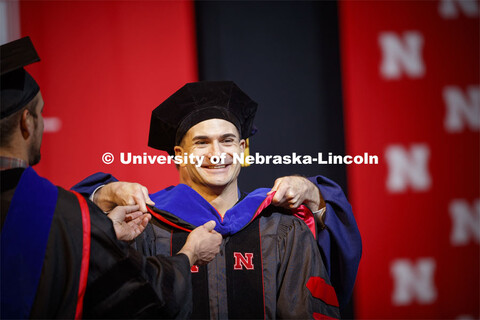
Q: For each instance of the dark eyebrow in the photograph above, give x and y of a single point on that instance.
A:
(228, 135)
(223, 136)
(200, 138)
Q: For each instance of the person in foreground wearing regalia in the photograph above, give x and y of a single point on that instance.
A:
(60, 254)
(270, 263)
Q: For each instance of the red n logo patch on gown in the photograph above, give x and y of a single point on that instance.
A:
(243, 261)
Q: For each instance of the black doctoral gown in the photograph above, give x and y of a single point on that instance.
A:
(121, 283)
(269, 265)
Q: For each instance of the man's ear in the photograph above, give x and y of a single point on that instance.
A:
(179, 152)
(27, 124)
(242, 144)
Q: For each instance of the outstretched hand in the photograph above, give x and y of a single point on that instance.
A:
(122, 194)
(292, 191)
(128, 222)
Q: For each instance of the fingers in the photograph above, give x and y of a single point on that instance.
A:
(130, 209)
(294, 203)
(129, 230)
(210, 225)
(140, 223)
(147, 197)
(146, 219)
(126, 193)
(141, 197)
(208, 248)
(134, 215)
(140, 200)
(119, 213)
(290, 192)
(203, 244)
(279, 197)
(138, 218)
(275, 186)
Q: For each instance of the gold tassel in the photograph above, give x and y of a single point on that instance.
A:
(246, 152)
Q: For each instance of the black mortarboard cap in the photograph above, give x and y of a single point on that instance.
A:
(196, 102)
(17, 87)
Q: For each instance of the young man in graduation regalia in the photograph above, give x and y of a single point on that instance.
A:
(270, 264)
(60, 257)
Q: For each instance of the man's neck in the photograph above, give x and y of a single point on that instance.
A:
(9, 159)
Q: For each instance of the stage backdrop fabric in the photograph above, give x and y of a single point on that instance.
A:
(104, 67)
(411, 92)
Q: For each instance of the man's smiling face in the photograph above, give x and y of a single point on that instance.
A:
(208, 138)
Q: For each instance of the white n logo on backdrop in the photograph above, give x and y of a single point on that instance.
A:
(408, 168)
(466, 222)
(449, 9)
(413, 281)
(401, 54)
(461, 108)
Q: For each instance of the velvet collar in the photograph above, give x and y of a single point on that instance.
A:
(188, 205)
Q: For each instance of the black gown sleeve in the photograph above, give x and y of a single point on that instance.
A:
(304, 290)
(121, 283)
(340, 242)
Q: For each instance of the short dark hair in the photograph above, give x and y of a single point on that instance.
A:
(8, 124)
